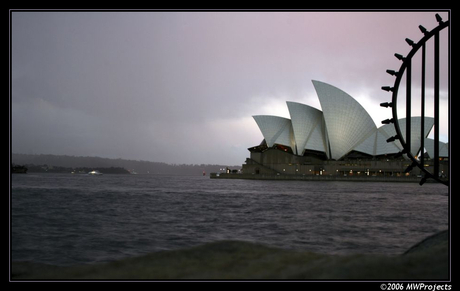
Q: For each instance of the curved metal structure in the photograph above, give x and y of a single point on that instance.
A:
(406, 69)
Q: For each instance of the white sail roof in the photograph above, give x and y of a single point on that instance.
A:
(443, 148)
(276, 130)
(348, 123)
(343, 126)
(415, 126)
(308, 126)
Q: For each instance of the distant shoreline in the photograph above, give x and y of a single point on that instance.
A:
(67, 170)
(93, 163)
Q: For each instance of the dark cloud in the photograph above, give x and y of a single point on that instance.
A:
(182, 87)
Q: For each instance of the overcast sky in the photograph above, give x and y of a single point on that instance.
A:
(181, 87)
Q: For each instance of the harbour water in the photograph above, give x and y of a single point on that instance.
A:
(66, 219)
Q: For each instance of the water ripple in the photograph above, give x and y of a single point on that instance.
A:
(67, 219)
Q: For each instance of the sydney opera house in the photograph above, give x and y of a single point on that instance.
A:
(341, 140)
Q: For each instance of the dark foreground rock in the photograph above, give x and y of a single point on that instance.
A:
(243, 260)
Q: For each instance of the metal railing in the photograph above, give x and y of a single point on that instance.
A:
(406, 68)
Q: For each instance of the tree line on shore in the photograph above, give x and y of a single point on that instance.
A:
(68, 164)
(31, 168)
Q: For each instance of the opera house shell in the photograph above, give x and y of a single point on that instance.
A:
(342, 127)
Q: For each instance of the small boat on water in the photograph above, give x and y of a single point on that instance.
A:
(95, 173)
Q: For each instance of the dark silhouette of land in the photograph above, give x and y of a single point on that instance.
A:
(67, 164)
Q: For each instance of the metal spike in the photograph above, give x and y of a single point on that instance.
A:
(423, 29)
(438, 18)
(422, 181)
(393, 73)
(393, 138)
(387, 121)
(387, 88)
(399, 57)
(410, 41)
(386, 104)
